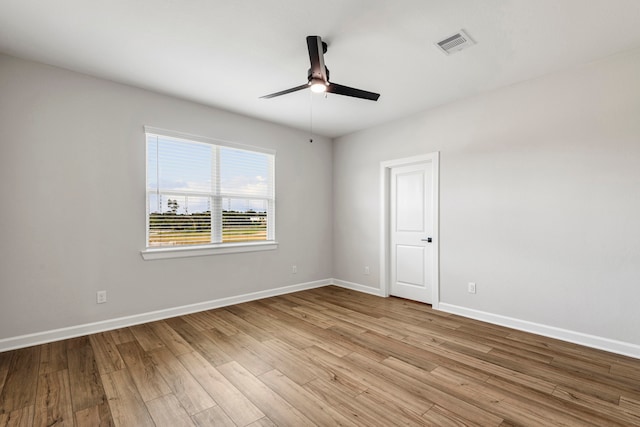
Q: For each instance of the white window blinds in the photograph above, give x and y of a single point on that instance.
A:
(201, 192)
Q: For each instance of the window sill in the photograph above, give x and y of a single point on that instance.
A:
(204, 250)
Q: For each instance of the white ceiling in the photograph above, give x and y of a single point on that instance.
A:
(229, 53)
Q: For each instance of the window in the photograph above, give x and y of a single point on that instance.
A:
(204, 194)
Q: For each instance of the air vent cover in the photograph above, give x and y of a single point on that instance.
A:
(455, 43)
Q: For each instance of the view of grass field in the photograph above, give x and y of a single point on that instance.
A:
(171, 229)
(176, 238)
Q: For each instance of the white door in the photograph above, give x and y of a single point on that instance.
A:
(412, 231)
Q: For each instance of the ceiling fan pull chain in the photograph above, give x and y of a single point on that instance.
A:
(310, 117)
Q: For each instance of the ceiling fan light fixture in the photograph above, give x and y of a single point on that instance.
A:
(318, 86)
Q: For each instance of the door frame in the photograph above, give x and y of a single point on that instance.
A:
(385, 226)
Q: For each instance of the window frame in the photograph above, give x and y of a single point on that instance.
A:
(152, 253)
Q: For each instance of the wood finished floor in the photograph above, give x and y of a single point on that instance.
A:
(322, 357)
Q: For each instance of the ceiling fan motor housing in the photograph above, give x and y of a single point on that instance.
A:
(310, 75)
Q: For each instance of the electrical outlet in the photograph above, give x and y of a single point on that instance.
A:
(366, 270)
(472, 287)
(101, 297)
(294, 269)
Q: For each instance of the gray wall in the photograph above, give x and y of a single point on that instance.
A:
(539, 198)
(72, 186)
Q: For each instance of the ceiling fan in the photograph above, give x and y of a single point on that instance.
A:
(318, 76)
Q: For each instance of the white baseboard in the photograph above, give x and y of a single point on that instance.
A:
(136, 319)
(358, 287)
(606, 344)
(593, 341)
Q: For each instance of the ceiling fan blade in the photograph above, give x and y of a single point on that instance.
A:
(284, 92)
(349, 91)
(316, 56)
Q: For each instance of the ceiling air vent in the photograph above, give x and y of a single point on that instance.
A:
(456, 42)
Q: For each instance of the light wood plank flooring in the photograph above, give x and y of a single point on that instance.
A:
(323, 357)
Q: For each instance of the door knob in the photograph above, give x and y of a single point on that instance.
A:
(428, 240)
